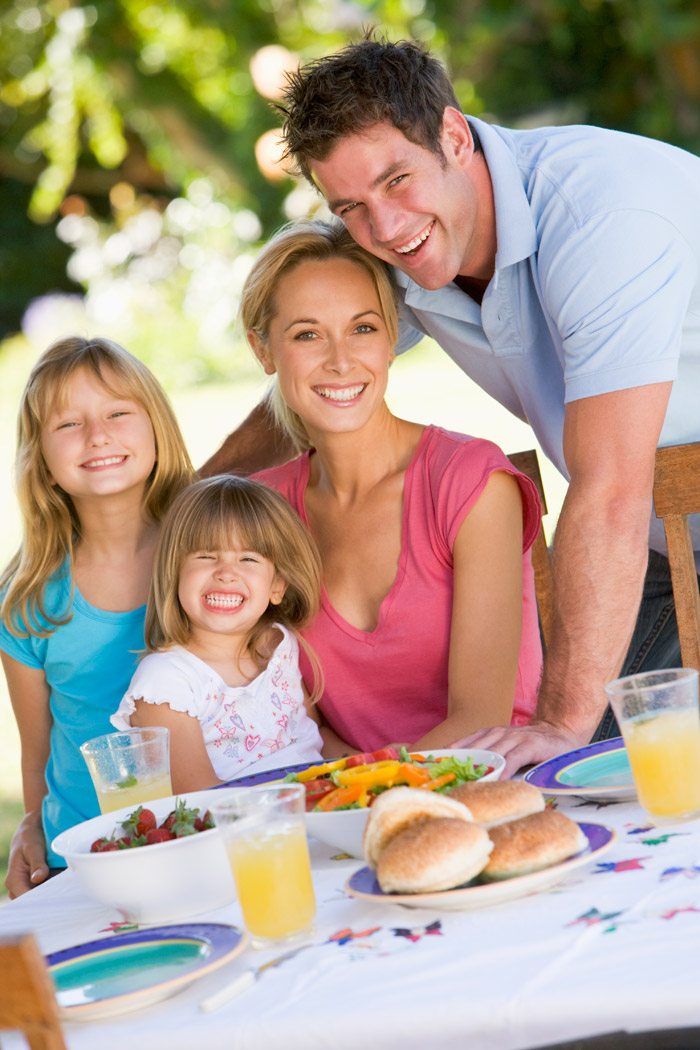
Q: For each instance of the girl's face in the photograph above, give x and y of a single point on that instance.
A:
(97, 443)
(225, 592)
(329, 344)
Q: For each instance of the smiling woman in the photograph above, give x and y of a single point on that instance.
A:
(428, 625)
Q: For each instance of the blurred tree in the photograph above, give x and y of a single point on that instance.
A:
(139, 134)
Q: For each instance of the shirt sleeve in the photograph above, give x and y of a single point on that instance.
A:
(465, 476)
(618, 287)
(30, 651)
(159, 679)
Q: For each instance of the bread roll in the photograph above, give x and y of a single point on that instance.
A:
(494, 802)
(532, 843)
(432, 855)
(395, 809)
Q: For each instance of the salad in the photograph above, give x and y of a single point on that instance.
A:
(355, 781)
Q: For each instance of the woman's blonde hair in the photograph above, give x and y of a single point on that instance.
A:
(51, 527)
(212, 515)
(307, 240)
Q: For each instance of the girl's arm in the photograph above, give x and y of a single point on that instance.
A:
(190, 765)
(29, 695)
(486, 615)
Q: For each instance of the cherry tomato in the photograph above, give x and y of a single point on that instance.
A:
(385, 754)
(360, 760)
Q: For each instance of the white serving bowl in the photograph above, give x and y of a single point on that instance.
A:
(165, 882)
(344, 830)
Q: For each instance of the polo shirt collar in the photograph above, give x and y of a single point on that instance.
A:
(515, 229)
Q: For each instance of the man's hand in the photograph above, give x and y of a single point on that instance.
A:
(525, 745)
(27, 867)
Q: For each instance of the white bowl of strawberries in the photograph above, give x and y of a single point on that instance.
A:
(162, 862)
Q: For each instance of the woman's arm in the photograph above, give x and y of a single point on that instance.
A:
(29, 695)
(333, 745)
(486, 614)
(190, 765)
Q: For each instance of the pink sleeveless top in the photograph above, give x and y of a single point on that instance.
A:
(391, 683)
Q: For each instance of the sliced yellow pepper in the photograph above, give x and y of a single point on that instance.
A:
(319, 771)
(371, 775)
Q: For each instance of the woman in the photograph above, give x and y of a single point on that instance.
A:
(428, 627)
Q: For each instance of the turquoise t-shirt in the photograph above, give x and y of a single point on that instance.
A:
(88, 664)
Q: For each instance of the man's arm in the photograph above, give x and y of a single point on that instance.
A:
(258, 443)
(599, 561)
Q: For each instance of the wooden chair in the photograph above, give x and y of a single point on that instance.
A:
(676, 495)
(528, 463)
(27, 995)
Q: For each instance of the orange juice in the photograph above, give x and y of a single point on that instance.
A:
(664, 753)
(273, 877)
(134, 792)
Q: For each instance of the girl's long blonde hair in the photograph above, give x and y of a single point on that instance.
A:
(51, 527)
(307, 240)
(212, 515)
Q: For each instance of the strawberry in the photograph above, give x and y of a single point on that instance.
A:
(139, 822)
(181, 821)
(204, 823)
(156, 835)
(108, 847)
(103, 844)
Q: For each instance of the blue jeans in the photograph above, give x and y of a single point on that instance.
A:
(654, 644)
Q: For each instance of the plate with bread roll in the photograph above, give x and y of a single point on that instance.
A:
(598, 771)
(480, 844)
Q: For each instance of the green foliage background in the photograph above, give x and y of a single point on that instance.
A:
(128, 131)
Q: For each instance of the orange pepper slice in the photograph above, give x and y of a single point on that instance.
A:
(414, 775)
(342, 796)
(439, 781)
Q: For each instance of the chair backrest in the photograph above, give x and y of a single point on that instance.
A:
(528, 463)
(676, 495)
(27, 996)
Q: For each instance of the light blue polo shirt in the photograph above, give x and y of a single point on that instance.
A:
(597, 281)
(88, 664)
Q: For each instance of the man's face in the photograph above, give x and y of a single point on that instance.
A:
(431, 218)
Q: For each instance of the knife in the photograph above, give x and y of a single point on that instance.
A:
(243, 981)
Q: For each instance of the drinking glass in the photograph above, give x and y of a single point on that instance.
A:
(130, 767)
(265, 836)
(659, 718)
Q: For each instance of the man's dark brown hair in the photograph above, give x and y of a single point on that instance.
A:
(370, 82)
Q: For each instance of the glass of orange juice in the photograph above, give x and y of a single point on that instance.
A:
(265, 835)
(659, 717)
(130, 767)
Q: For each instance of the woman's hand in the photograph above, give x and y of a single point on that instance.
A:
(27, 867)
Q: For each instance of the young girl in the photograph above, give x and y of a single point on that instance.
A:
(236, 576)
(99, 457)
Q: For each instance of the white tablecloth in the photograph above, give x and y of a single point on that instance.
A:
(614, 946)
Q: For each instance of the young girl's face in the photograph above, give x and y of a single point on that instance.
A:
(329, 344)
(97, 443)
(225, 592)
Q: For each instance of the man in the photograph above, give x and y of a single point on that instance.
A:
(560, 269)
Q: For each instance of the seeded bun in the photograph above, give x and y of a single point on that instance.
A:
(493, 802)
(396, 809)
(532, 843)
(432, 855)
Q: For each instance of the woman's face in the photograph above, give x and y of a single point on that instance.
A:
(329, 345)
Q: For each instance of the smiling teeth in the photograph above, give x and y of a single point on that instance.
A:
(340, 395)
(416, 242)
(224, 601)
(105, 462)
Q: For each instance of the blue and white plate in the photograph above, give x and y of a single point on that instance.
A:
(363, 883)
(129, 970)
(599, 771)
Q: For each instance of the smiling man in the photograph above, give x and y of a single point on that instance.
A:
(560, 269)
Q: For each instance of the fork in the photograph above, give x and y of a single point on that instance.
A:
(244, 980)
